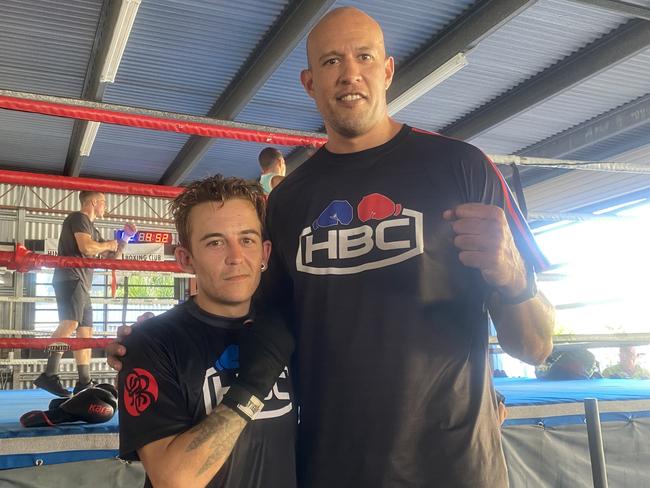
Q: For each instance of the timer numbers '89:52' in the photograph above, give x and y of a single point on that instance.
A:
(155, 237)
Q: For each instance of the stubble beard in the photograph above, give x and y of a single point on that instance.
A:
(353, 125)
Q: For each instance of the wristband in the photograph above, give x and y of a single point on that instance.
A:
(529, 292)
(245, 404)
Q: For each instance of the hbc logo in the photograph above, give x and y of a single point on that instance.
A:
(217, 383)
(391, 234)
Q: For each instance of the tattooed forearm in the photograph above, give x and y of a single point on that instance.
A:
(222, 428)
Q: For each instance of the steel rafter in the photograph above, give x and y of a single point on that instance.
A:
(618, 46)
(285, 35)
(93, 89)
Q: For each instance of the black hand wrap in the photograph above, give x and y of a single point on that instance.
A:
(92, 405)
(264, 351)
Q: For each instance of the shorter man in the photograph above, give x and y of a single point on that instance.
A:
(627, 367)
(79, 238)
(273, 168)
(204, 394)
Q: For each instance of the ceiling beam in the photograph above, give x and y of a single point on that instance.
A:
(631, 116)
(285, 35)
(93, 89)
(463, 34)
(601, 55)
(596, 131)
(620, 7)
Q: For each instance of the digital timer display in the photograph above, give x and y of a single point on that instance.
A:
(154, 237)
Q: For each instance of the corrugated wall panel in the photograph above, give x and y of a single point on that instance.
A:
(49, 227)
(64, 200)
(7, 229)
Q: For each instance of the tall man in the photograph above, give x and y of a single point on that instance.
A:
(79, 238)
(198, 375)
(389, 268)
(273, 168)
(390, 244)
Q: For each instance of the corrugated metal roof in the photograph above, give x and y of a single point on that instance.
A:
(542, 35)
(182, 54)
(587, 100)
(618, 146)
(46, 44)
(637, 155)
(140, 154)
(230, 158)
(32, 142)
(45, 48)
(579, 188)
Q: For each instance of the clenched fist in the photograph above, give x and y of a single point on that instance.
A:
(129, 230)
(486, 243)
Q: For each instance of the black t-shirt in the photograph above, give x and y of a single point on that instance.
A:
(183, 361)
(75, 222)
(391, 363)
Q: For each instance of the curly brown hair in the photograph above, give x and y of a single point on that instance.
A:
(215, 188)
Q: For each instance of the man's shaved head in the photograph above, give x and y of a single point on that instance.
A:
(348, 75)
(342, 18)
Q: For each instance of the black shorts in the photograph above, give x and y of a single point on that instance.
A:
(73, 302)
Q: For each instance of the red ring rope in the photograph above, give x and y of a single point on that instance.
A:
(24, 260)
(54, 343)
(21, 178)
(68, 110)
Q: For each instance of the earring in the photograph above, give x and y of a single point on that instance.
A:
(263, 266)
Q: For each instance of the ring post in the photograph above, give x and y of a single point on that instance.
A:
(596, 449)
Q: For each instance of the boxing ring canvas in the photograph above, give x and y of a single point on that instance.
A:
(545, 435)
(22, 447)
(65, 455)
(545, 438)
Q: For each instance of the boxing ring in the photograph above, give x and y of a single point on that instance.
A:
(545, 439)
(21, 447)
(545, 436)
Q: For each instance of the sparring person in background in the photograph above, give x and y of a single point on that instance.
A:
(273, 168)
(391, 244)
(79, 238)
(204, 392)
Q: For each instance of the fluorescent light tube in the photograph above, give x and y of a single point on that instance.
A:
(120, 36)
(88, 138)
(451, 67)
